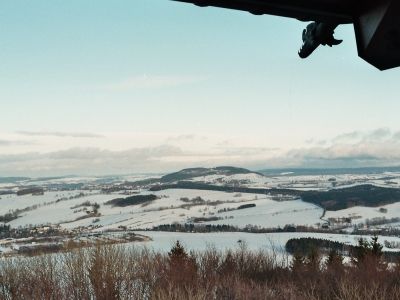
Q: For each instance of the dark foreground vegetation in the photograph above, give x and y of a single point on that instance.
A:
(113, 272)
(304, 246)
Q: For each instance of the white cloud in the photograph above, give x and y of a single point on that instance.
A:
(379, 147)
(88, 161)
(358, 148)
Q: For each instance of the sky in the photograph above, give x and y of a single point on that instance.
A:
(135, 86)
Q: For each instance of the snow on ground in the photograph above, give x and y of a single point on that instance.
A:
(5, 250)
(111, 221)
(207, 195)
(6, 186)
(56, 213)
(137, 177)
(47, 210)
(360, 214)
(250, 179)
(269, 213)
(62, 180)
(163, 241)
(304, 182)
(13, 202)
(169, 209)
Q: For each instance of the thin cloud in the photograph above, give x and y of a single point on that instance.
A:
(135, 154)
(185, 138)
(378, 134)
(246, 151)
(180, 138)
(396, 135)
(15, 143)
(316, 142)
(348, 137)
(60, 134)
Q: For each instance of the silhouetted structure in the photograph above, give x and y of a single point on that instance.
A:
(376, 23)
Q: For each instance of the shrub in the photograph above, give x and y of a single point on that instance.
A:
(114, 272)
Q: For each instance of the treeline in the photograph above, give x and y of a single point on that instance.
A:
(31, 190)
(132, 200)
(200, 228)
(198, 201)
(244, 206)
(6, 192)
(305, 246)
(10, 216)
(388, 231)
(362, 195)
(194, 228)
(4, 231)
(223, 188)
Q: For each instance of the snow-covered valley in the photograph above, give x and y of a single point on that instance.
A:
(240, 200)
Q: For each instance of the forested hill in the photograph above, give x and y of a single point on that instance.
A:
(361, 195)
(187, 174)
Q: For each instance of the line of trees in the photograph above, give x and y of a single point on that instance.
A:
(301, 247)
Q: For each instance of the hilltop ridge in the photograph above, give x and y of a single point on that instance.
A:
(191, 173)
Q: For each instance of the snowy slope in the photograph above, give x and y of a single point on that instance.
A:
(169, 208)
(360, 214)
(269, 214)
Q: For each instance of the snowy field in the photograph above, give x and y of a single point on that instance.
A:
(304, 182)
(163, 241)
(60, 207)
(171, 209)
(269, 213)
(360, 214)
(13, 202)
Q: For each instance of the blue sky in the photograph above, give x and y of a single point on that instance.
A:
(155, 85)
